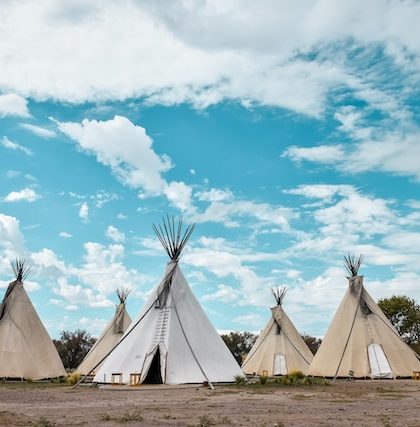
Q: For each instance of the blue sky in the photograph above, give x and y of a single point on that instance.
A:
(289, 132)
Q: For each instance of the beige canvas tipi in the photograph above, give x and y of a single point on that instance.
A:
(109, 337)
(26, 350)
(279, 349)
(172, 341)
(361, 341)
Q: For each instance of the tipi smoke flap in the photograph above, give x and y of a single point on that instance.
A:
(26, 350)
(361, 342)
(279, 349)
(172, 340)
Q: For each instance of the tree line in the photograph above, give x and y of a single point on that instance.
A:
(402, 311)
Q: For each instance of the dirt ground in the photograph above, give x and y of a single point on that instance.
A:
(357, 403)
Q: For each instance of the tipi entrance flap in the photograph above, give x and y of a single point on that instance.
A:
(279, 366)
(154, 366)
(379, 366)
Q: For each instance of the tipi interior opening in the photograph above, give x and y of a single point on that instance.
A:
(154, 375)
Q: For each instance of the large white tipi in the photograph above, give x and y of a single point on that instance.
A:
(279, 349)
(361, 342)
(109, 337)
(26, 350)
(172, 341)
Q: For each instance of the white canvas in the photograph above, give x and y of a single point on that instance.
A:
(358, 323)
(106, 341)
(26, 350)
(191, 350)
(279, 349)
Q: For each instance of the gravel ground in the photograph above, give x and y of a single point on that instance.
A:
(357, 403)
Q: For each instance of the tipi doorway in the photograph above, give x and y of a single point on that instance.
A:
(379, 366)
(154, 375)
(280, 367)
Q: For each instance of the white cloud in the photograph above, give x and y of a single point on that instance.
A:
(322, 191)
(84, 211)
(94, 325)
(249, 321)
(230, 211)
(11, 237)
(124, 147)
(114, 234)
(179, 194)
(223, 293)
(76, 294)
(214, 195)
(268, 53)
(27, 195)
(13, 105)
(39, 131)
(127, 150)
(121, 216)
(65, 235)
(328, 154)
(10, 145)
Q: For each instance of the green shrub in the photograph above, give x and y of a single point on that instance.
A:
(240, 380)
(73, 378)
(44, 422)
(206, 421)
(263, 379)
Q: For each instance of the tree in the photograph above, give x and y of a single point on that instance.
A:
(312, 342)
(404, 314)
(73, 347)
(239, 343)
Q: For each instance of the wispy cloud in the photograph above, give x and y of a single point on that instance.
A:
(10, 145)
(39, 131)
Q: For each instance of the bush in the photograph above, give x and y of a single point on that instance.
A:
(263, 379)
(240, 380)
(297, 374)
(73, 378)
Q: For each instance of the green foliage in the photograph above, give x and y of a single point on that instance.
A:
(126, 417)
(239, 343)
(73, 378)
(263, 379)
(240, 379)
(312, 342)
(43, 422)
(299, 379)
(73, 347)
(206, 421)
(404, 314)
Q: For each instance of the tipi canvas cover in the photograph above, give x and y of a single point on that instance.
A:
(279, 349)
(172, 341)
(109, 337)
(360, 341)
(26, 350)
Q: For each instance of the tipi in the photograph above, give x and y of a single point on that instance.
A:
(361, 342)
(279, 349)
(109, 337)
(172, 341)
(26, 350)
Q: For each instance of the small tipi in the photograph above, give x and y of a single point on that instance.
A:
(26, 350)
(361, 342)
(109, 337)
(279, 349)
(172, 341)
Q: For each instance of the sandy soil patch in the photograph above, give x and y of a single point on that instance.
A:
(362, 403)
